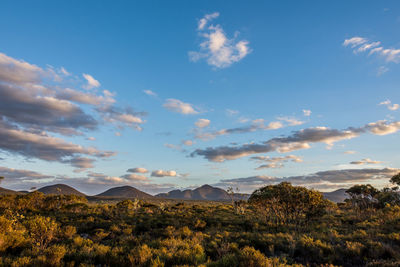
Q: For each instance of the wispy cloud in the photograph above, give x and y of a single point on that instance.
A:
(174, 147)
(149, 92)
(365, 161)
(20, 174)
(331, 179)
(381, 70)
(306, 112)
(389, 105)
(291, 121)
(134, 177)
(207, 18)
(163, 173)
(219, 50)
(91, 82)
(298, 140)
(201, 123)
(256, 125)
(80, 163)
(138, 170)
(64, 71)
(231, 112)
(275, 162)
(188, 142)
(122, 117)
(361, 44)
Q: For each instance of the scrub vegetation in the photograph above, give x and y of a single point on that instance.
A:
(280, 225)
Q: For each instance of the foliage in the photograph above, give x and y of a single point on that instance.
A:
(41, 230)
(396, 179)
(284, 203)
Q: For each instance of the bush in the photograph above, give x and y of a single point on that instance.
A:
(42, 230)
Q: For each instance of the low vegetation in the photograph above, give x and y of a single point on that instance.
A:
(280, 225)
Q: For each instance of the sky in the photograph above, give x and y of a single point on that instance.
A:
(164, 95)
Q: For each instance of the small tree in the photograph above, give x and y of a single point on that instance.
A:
(396, 179)
(284, 203)
(363, 196)
(388, 196)
(1, 178)
(391, 195)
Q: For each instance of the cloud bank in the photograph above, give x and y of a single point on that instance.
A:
(37, 103)
(298, 140)
(320, 180)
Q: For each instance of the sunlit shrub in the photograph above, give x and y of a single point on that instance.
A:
(42, 230)
(68, 231)
(54, 255)
(140, 255)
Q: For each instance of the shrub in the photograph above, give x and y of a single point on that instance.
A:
(42, 230)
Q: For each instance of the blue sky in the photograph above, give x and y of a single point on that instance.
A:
(307, 90)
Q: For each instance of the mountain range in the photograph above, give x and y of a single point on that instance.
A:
(205, 192)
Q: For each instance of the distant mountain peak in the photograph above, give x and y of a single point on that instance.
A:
(4, 191)
(125, 191)
(337, 196)
(60, 189)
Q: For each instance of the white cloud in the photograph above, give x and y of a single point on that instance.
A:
(350, 152)
(174, 147)
(203, 22)
(134, 177)
(138, 170)
(306, 112)
(355, 41)
(178, 106)
(243, 119)
(217, 48)
(162, 173)
(122, 117)
(149, 92)
(84, 97)
(18, 71)
(91, 82)
(187, 142)
(201, 123)
(381, 70)
(64, 71)
(389, 105)
(275, 162)
(367, 46)
(365, 161)
(290, 121)
(360, 44)
(256, 125)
